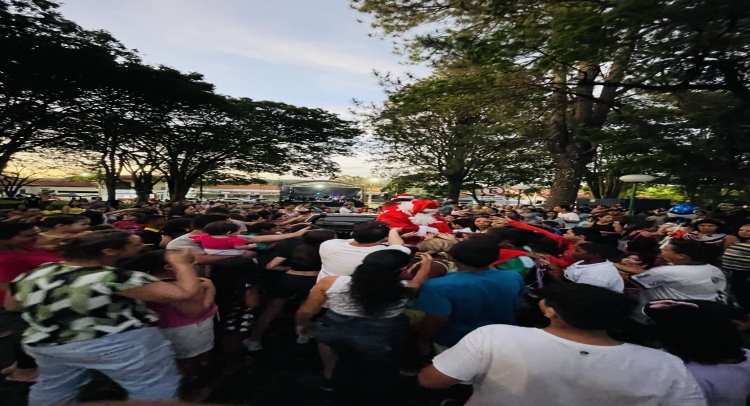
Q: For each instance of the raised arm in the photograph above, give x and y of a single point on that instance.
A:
(186, 286)
(274, 238)
(394, 238)
(423, 274)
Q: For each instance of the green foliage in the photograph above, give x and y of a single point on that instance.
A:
(553, 54)
(673, 193)
(433, 133)
(699, 141)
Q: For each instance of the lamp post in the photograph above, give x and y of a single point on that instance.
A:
(520, 188)
(635, 180)
(369, 194)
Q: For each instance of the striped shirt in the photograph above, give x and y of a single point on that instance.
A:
(737, 257)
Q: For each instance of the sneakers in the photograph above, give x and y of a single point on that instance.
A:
(252, 345)
(302, 340)
(316, 380)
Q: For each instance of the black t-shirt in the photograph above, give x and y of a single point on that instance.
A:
(151, 238)
(283, 248)
(32, 202)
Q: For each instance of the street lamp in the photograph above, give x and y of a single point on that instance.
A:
(520, 188)
(369, 195)
(635, 180)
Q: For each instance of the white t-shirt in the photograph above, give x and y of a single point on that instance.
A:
(339, 258)
(687, 282)
(518, 366)
(571, 219)
(344, 210)
(340, 300)
(603, 274)
(241, 225)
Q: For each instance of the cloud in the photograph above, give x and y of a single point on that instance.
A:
(198, 26)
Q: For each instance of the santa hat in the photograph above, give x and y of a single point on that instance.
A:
(403, 197)
(421, 205)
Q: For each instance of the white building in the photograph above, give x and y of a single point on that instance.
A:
(53, 187)
(254, 191)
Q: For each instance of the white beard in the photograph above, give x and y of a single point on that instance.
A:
(406, 207)
(423, 219)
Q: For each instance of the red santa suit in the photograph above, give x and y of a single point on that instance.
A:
(418, 216)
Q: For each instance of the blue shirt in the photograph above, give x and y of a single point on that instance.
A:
(472, 300)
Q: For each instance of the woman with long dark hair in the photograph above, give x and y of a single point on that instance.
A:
(364, 325)
(710, 231)
(743, 234)
(610, 229)
(703, 335)
(302, 274)
(736, 261)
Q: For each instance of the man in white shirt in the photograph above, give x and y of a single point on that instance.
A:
(346, 208)
(571, 219)
(593, 267)
(690, 277)
(342, 257)
(572, 362)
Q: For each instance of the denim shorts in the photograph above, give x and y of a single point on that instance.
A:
(191, 340)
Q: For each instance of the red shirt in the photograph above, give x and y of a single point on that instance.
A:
(130, 226)
(16, 263)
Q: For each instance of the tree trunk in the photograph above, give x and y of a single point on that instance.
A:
(11, 191)
(475, 197)
(179, 187)
(110, 182)
(604, 186)
(112, 169)
(567, 180)
(454, 188)
(143, 184)
(179, 192)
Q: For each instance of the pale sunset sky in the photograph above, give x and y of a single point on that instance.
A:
(309, 53)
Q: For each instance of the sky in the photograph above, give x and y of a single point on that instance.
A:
(309, 53)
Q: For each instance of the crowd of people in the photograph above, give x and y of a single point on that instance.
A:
(501, 306)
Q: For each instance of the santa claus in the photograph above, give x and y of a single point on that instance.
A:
(418, 216)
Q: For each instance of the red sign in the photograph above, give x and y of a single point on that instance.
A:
(492, 190)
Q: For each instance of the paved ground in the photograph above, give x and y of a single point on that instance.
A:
(268, 380)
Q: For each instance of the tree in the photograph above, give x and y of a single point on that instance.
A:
(48, 63)
(698, 141)
(427, 133)
(526, 50)
(248, 136)
(25, 169)
(18, 174)
(127, 121)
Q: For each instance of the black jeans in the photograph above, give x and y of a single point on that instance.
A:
(369, 353)
(12, 321)
(739, 283)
